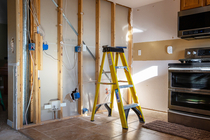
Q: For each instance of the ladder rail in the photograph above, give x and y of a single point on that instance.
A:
(117, 90)
(130, 82)
(112, 93)
(98, 87)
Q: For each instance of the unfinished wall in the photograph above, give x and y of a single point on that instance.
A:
(70, 71)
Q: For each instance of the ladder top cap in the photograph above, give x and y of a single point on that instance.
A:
(112, 49)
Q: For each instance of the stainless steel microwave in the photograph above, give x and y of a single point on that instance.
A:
(194, 23)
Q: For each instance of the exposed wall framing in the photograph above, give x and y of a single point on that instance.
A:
(80, 55)
(36, 38)
(60, 55)
(97, 51)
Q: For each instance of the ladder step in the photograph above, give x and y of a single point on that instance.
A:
(106, 71)
(125, 86)
(106, 83)
(121, 81)
(130, 106)
(103, 103)
(121, 67)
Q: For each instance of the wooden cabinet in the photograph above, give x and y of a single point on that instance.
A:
(189, 4)
(207, 2)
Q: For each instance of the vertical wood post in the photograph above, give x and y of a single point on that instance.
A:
(97, 52)
(130, 49)
(60, 55)
(31, 62)
(113, 13)
(80, 55)
(36, 82)
(19, 15)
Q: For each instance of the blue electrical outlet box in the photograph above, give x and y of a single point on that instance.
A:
(85, 110)
(76, 96)
(77, 49)
(45, 46)
(31, 46)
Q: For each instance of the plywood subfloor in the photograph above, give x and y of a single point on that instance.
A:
(103, 128)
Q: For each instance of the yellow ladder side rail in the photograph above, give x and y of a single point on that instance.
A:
(98, 86)
(112, 92)
(117, 91)
(129, 78)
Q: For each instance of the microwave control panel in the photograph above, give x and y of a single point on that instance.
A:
(193, 53)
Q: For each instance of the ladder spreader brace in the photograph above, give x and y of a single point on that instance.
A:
(123, 110)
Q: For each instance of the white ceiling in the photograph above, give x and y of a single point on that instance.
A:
(135, 3)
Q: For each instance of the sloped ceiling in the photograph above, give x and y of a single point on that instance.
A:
(135, 3)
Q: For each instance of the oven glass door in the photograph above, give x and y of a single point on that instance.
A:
(190, 80)
(190, 100)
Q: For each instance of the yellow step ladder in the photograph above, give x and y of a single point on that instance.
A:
(123, 110)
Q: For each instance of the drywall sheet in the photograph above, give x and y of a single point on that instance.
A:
(151, 83)
(156, 21)
(48, 75)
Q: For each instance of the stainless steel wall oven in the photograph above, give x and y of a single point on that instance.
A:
(189, 87)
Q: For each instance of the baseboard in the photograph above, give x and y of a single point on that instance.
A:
(10, 123)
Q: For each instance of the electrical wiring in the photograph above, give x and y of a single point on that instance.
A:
(33, 11)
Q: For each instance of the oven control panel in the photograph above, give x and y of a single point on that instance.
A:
(193, 53)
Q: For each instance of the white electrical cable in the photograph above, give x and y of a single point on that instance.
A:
(31, 90)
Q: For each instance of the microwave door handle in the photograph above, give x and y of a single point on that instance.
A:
(200, 37)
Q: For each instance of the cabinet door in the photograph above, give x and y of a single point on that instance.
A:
(189, 4)
(207, 2)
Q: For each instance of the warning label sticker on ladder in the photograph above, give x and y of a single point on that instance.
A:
(110, 59)
(117, 95)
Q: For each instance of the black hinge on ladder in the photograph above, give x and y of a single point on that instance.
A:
(133, 107)
(106, 106)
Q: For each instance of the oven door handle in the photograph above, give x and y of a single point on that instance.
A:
(201, 69)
